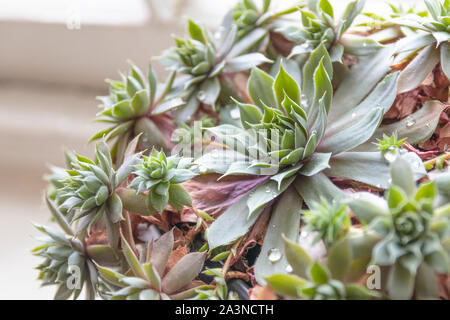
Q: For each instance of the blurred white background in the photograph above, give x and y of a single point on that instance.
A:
(54, 57)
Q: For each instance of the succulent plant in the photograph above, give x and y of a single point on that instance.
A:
(306, 139)
(389, 144)
(412, 232)
(66, 262)
(149, 280)
(204, 62)
(247, 16)
(161, 176)
(134, 106)
(427, 47)
(87, 194)
(269, 190)
(318, 27)
(330, 221)
(312, 280)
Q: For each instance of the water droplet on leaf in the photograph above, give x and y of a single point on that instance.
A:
(410, 123)
(201, 95)
(235, 113)
(274, 255)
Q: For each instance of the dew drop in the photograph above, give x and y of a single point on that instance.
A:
(235, 113)
(390, 154)
(288, 268)
(410, 123)
(353, 115)
(201, 95)
(274, 255)
(268, 189)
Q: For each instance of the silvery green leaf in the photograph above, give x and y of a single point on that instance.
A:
(426, 288)
(285, 85)
(339, 258)
(210, 89)
(354, 135)
(318, 274)
(266, 192)
(403, 176)
(299, 260)
(132, 259)
(114, 132)
(185, 113)
(336, 53)
(59, 217)
(418, 69)
(148, 294)
(127, 168)
(400, 283)
(315, 164)
(368, 206)
(369, 70)
(245, 62)
(101, 254)
(152, 275)
(285, 284)
(63, 293)
(441, 37)
(439, 261)
(135, 282)
(359, 46)
(140, 103)
(310, 68)
(260, 88)
(153, 83)
(186, 270)
(195, 31)
(250, 40)
(369, 167)
(287, 173)
(383, 96)
(115, 208)
(250, 114)
(413, 43)
(123, 110)
(322, 85)
(179, 197)
(445, 59)
(350, 13)
(318, 186)
(417, 127)
(151, 135)
(285, 221)
(134, 202)
(231, 224)
(167, 106)
(158, 201)
(110, 275)
(219, 160)
(242, 167)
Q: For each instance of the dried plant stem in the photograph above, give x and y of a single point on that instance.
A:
(433, 161)
(227, 264)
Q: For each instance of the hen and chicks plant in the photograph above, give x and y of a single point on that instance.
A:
(302, 191)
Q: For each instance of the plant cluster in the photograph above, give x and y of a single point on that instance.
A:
(268, 158)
